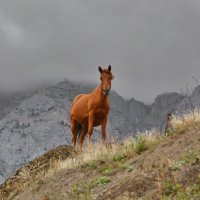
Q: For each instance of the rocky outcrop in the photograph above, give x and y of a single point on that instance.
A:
(163, 104)
(190, 101)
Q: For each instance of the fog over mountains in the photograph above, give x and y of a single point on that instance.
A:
(146, 41)
(36, 121)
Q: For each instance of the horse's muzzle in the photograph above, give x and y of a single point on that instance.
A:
(106, 91)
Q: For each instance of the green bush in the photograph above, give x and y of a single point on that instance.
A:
(102, 180)
(118, 157)
(170, 188)
(107, 171)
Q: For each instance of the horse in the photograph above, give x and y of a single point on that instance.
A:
(91, 110)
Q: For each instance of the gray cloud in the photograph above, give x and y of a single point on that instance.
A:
(152, 45)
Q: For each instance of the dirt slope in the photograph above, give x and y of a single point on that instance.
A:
(168, 170)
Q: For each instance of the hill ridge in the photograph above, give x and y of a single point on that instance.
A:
(149, 166)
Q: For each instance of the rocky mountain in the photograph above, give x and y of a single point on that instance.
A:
(34, 122)
(162, 104)
(190, 101)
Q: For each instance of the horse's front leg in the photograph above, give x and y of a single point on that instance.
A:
(103, 130)
(90, 125)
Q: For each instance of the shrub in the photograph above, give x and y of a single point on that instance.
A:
(118, 157)
(102, 180)
(107, 171)
(170, 188)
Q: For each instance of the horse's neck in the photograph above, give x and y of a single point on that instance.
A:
(98, 94)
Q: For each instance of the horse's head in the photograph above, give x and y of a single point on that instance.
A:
(106, 78)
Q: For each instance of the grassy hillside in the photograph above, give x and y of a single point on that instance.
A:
(149, 166)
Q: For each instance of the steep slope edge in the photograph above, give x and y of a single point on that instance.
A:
(148, 167)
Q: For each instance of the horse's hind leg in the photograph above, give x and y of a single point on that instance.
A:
(74, 126)
(82, 136)
(90, 127)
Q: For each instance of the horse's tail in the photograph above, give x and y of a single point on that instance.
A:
(78, 130)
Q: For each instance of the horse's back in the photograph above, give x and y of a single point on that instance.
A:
(79, 109)
(77, 98)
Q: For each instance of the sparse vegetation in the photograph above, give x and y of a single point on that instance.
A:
(140, 144)
(170, 188)
(170, 132)
(103, 180)
(189, 157)
(118, 157)
(178, 192)
(107, 171)
(82, 190)
(187, 121)
(133, 165)
(128, 166)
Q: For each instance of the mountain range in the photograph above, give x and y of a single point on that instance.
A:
(33, 122)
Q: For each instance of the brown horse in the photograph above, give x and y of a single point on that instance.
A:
(90, 110)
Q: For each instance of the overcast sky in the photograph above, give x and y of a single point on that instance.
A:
(152, 45)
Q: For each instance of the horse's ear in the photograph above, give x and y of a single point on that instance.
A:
(100, 69)
(109, 68)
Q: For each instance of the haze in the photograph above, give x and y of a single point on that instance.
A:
(152, 45)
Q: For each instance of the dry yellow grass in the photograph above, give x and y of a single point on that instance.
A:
(52, 162)
(131, 145)
(128, 148)
(190, 120)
